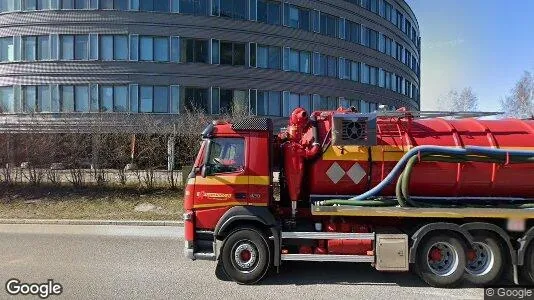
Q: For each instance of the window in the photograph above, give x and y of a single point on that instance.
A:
(81, 48)
(74, 47)
(146, 98)
(299, 61)
(146, 48)
(29, 48)
(161, 99)
(193, 50)
(324, 103)
(348, 103)
(231, 101)
(325, 65)
(43, 98)
(114, 47)
(365, 77)
(352, 32)
(388, 46)
(297, 17)
(226, 155)
(67, 4)
(269, 103)
(29, 98)
(329, 25)
(81, 4)
(296, 100)
(7, 50)
(268, 57)
(236, 9)
(81, 98)
(194, 7)
(400, 20)
(407, 28)
(67, 98)
(7, 100)
(269, 12)
(374, 6)
(154, 5)
(7, 5)
(43, 47)
(161, 49)
(388, 11)
(195, 98)
(373, 75)
(399, 53)
(114, 4)
(106, 98)
(35, 48)
(232, 54)
(114, 98)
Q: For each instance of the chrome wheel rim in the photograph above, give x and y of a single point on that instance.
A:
(245, 256)
(482, 261)
(442, 259)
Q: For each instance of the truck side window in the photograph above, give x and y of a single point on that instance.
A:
(226, 155)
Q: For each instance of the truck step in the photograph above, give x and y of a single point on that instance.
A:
(328, 257)
(205, 256)
(328, 235)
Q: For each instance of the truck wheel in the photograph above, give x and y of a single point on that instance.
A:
(528, 267)
(246, 256)
(441, 260)
(484, 261)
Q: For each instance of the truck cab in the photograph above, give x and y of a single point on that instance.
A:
(231, 177)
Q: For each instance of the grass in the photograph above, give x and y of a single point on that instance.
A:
(92, 202)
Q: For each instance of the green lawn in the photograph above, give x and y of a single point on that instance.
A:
(65, 202)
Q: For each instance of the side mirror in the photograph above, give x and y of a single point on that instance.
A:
(203, 171)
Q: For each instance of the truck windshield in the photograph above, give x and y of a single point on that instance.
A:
(226, 155)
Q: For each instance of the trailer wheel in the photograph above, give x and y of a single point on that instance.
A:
(441, 260)
(484, 261)
(246, 255)
(528, 267)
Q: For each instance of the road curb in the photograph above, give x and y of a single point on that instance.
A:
(92, 222)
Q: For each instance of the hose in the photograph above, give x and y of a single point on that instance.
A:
(438, 153)
(402, 189)
(367, 203)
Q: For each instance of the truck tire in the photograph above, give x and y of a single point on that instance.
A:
(485, 262)
(528, 267)
(246, 255)
(441, 260)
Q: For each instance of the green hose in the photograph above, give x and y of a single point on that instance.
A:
(403, 183)
(366, 203)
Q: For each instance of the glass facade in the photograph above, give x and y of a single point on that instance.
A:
(153, 98)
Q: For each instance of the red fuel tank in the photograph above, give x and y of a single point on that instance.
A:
(352, 170)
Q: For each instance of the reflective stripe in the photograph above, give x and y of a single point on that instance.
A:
(228, 180)
(222, 204)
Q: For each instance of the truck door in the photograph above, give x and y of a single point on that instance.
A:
(225, 181)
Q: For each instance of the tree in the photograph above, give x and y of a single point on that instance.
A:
(464, 100)
(520, 102)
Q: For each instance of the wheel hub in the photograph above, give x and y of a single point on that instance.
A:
(480, 259)
(245, 256)
(442, 259)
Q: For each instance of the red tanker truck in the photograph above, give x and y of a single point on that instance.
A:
(452, 199)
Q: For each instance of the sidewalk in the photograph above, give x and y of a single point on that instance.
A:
(92, 222)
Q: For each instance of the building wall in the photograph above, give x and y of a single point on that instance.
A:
(16, 73)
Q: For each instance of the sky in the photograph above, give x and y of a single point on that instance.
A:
(484, 44)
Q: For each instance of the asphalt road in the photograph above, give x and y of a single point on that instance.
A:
(127, 262)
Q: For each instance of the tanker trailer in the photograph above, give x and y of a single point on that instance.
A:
(449, 198)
